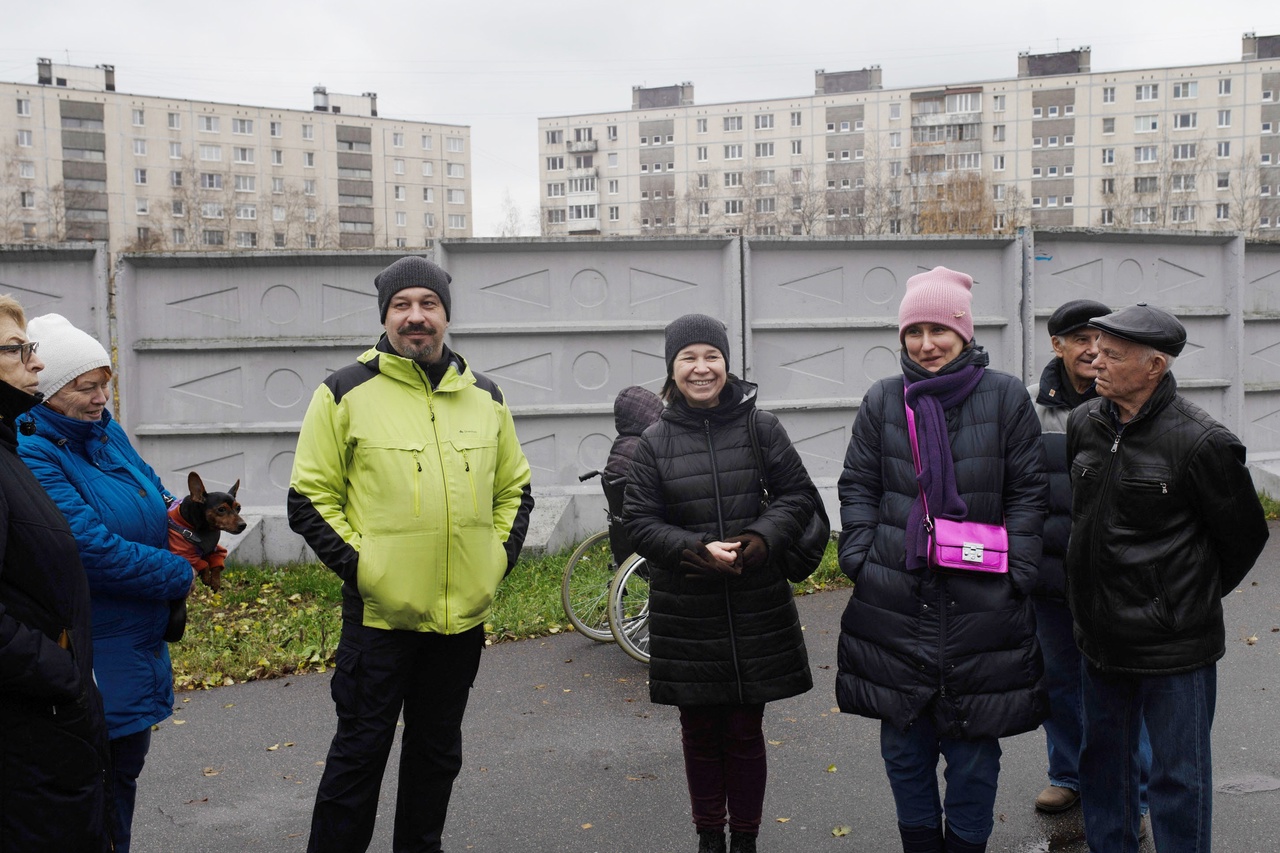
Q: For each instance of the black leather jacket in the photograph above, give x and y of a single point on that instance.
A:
(1165, 521)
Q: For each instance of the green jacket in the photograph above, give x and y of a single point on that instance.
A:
(418, 498)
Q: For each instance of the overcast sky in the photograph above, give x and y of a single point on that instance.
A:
(499, 66)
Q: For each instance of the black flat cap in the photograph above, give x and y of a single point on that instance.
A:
(1145, 324)
(1075, 314)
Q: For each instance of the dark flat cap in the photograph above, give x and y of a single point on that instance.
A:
(1075, 314)
(1145, 324)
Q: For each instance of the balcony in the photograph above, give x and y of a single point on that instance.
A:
(584, 226)
(582, 147)
(589, 172)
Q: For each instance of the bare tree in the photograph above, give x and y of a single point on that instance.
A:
(512, 222)
(963, 203)
(1118, 191)
(1245, 179)
(806, 199)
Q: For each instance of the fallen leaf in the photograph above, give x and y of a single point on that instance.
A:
(209, 771)
(775, 743)
(586, 826)
(273, 748)
(831, 768)
(201, 800)
(1252, 640)
(179, 722)
(841, 831)
(783, 820)
(228, 705)
(288, 743)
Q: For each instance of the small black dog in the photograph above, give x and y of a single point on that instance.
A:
(196, 524)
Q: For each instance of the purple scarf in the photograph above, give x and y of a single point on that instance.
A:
(929, 398)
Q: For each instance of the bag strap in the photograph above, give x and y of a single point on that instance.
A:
(765, 496)
(915, 459)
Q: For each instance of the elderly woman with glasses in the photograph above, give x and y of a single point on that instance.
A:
(116, 506)
(53, 755)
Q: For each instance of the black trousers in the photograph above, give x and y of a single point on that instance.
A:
(378, 673)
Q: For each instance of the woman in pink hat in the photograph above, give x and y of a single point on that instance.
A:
(947, 662)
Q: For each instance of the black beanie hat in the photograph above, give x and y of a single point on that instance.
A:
(1075, 314)
(411, 271)
(695, 329)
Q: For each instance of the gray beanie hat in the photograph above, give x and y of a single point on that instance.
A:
(695, 329)
(411, 271)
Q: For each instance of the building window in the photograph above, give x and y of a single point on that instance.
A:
(1182, 183)
(1146, 184)
(1184, 151)
(454, 144)
(140, 147)
(397, 167)
(309, 187)
(209, 124)
(24, 139)
(277, 157)
(210, 181)
(764, 149)
(308, 131)
(242, 125)
(1108, 186)
(733, 179)
(1222, 212)
(1224, 150)
(611, 132)
(555, 164)
(140, 177)
(1037, 112)
(797, 146)
(795, 119)
(1183, 213)
(1107, 217)
(1184, 121)
(1144, 216)
(1185, 90)
(1146, 124)
(211, 152)
(24, 106)
(766, 205)
(1053, 142)
(732, 123)
(997, 133)
(309, 159)
(397, 140)
(398, 193)
(1146, 91)
(246, 211)
(733, 206)
(1037, 142)
(1224, 180)
(175, 150)
(277, 185)
(1108, 156)
(764, 121)
(554, 137)
(246, 183)
(175, 121)
(997, 163)
(998, 103)
(733, 152)
(455, 196)
(242, 155)
(276, 129)
(427, 143)
(1108, 94)
(1224, 86)
(895, 139)
(1224, 118)
(1108, 125)
(138, 117)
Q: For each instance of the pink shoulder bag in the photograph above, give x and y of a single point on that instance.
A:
(960, 547)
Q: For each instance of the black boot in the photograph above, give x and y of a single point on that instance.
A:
(742, 842)
(921, 839)
(711, 841)
(956, 844)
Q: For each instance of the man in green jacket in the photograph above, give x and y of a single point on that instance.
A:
(410, 484)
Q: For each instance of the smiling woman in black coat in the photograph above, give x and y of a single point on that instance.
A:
(724, 634)
(948, 663)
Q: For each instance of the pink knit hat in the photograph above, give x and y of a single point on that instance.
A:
(939, 296)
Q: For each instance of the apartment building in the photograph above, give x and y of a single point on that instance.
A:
(1059, 145)
(84, 161)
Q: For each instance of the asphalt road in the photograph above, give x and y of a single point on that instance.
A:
(564, 752)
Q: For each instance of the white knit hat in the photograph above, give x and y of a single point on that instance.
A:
(65, 350)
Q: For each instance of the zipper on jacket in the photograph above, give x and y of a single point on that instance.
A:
(448, 513)
(471, 480)
(728, 604)
(1093, 550)
(417, 486)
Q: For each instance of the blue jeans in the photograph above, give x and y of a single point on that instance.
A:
(1178, 711)
(1064, 730)
(973, 768)
(128, 755)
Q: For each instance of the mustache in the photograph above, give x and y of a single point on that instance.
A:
(420, 328)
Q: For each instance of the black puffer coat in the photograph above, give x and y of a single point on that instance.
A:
(53, 743)
(717, 639)
(910, 637)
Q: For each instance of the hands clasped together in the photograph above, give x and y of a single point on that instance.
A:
(745, 551)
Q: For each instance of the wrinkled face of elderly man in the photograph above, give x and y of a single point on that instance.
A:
(1128, 373)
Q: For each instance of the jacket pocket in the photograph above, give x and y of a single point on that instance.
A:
(1143, 494)
(477, 461)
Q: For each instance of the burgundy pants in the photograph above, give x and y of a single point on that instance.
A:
(724, 760)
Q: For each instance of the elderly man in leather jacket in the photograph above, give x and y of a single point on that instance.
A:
(1165, 522)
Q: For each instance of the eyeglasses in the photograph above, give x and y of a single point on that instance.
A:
(24, 351)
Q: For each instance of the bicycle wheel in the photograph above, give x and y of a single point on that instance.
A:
(629, 607)
(584, 591)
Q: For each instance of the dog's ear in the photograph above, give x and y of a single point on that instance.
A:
(232, 491)
(196, 487)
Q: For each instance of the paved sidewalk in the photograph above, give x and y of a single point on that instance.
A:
(564, 752)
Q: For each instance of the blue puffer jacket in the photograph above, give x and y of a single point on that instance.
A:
(115, 505)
